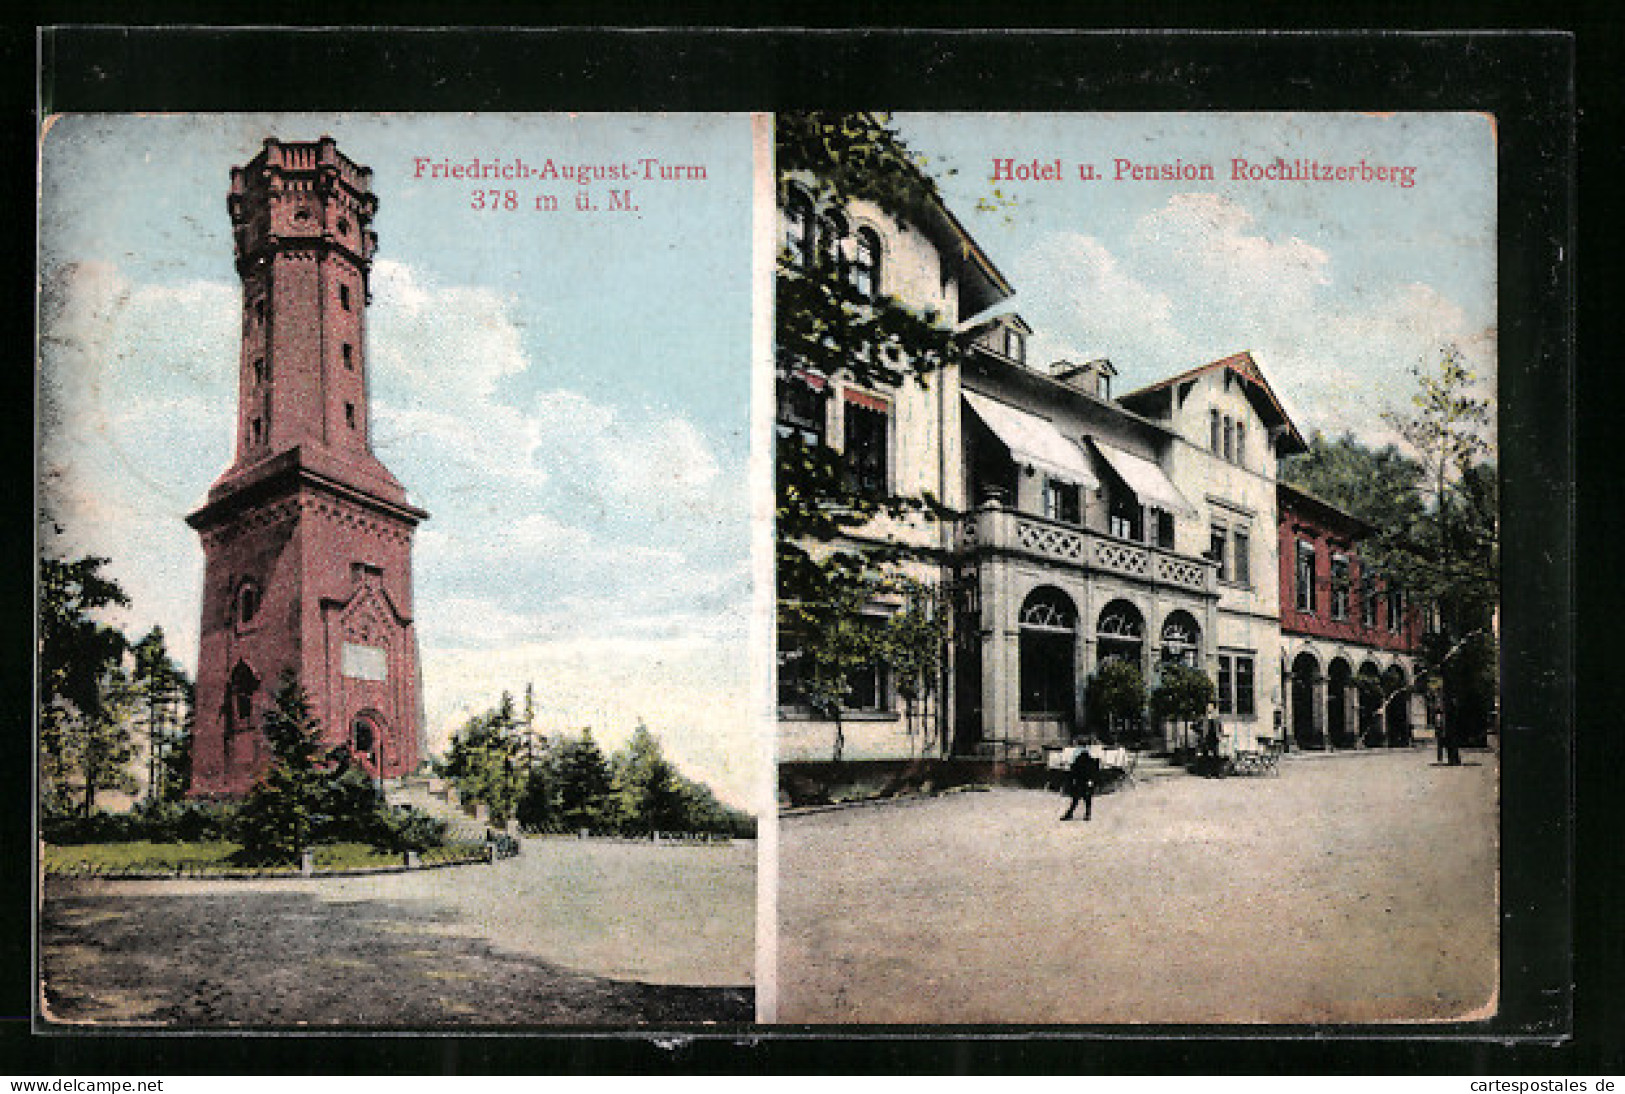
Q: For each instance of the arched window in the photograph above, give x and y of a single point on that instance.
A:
(832, 243)
(1049, 609)
(1120, 619)
(864, 273)
(247, 602)
(799, 229)
(1181, 639)
(1048, 653)
(1120, 632)
(240, 698)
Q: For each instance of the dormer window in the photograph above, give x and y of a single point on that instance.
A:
(1015, 344)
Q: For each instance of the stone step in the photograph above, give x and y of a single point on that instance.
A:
(422, 798)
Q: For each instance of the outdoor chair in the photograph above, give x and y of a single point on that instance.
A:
(1270, 758)
(1264, 760)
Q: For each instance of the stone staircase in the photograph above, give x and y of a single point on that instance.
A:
(438, 798)
(1153, 766)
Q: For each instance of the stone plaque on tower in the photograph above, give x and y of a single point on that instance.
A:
(307, 537)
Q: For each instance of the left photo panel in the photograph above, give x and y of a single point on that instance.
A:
(395, 572)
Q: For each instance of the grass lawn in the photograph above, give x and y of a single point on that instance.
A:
(214, 856)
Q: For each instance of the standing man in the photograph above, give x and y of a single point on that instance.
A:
(1081, 782)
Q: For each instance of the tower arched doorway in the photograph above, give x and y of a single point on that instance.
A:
(368, 737)
(1049, 636)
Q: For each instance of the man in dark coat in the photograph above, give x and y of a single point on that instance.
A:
(1080, 784)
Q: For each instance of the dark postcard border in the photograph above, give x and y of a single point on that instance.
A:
(1525, 79)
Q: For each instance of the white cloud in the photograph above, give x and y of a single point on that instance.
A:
(1197, 279)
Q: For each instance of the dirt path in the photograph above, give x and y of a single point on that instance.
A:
(1347, 890)
(568, 933)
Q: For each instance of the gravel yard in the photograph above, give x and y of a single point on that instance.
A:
(1358, 888)
(579, 933)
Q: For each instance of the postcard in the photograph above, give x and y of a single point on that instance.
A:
(519, 571)
(1136, 573)
(396, 572)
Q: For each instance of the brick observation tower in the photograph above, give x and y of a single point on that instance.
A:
(307, 537)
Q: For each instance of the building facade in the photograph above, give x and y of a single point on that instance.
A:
(1078, 527)
(306, 537)
(1349, 638)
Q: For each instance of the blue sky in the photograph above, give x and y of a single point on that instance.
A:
(1338, 288)
(566, 393)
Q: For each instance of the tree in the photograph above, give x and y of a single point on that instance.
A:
(911, 644)
(1116, 695)
(1377, 485)
(1436, 519)
(485, 761)
(828, 326)
(82, 689)
(583, 782)
(539, 799)
(830, 640)
(282, 813)
(645, 788)
(162, 692)
(1183, 694)
(1452, 560)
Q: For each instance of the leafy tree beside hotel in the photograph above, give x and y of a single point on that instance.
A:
(835, 322)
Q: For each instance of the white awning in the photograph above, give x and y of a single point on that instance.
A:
(1034, 440)
(1145, 478)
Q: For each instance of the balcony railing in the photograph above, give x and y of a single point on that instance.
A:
(995, 528)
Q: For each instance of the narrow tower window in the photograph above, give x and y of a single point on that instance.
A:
(349, 356)
(256, 431)
(344, 297)
(259, 370)
(349, 415)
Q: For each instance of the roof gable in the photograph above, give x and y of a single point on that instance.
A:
(1253, 384)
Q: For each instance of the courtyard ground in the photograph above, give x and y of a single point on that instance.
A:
(570, 932)
(1351, 889)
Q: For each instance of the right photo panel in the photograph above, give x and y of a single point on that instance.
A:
(1136, 568)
